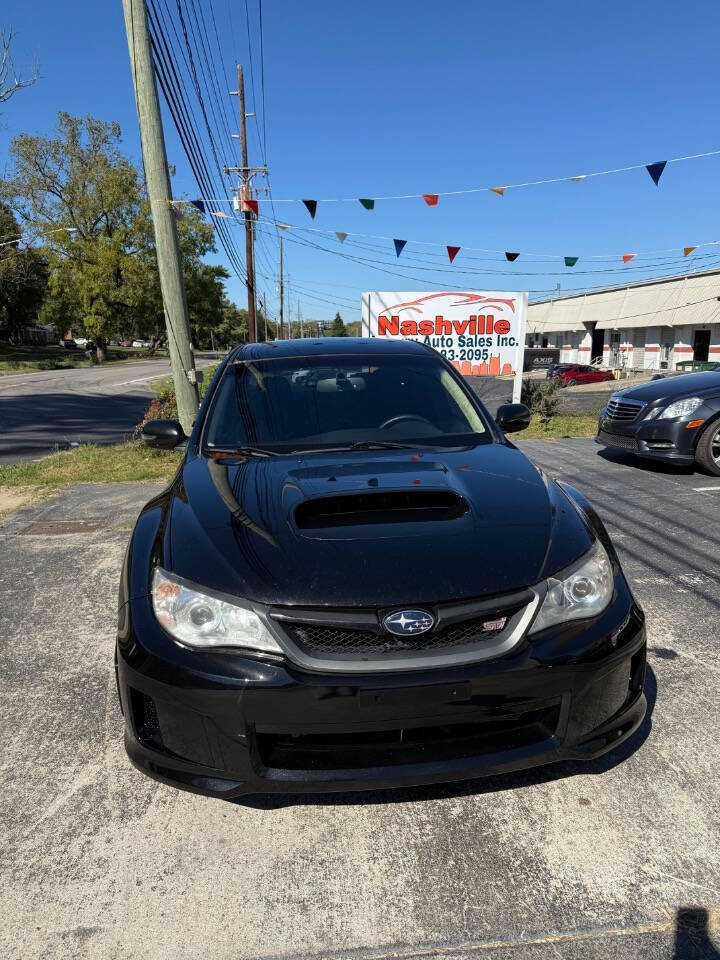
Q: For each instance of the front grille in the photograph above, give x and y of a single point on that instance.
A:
(322, 641)
(623, 410)
(614, 440)
(497, 732)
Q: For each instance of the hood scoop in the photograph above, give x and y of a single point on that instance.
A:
(392, 506)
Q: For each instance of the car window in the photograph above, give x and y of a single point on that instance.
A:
(309, 402)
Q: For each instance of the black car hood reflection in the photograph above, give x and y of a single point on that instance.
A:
(231, 527)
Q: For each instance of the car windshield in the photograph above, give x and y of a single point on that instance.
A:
(310, 403)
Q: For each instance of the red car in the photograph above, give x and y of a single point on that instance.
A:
(571, 373)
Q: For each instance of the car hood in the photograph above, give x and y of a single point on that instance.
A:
(674, 388)
(233, 525)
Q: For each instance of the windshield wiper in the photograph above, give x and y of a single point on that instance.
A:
(361, 445)
(247, 451)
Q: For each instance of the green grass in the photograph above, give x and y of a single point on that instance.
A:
(29, 359)
(561, 425)
(122, 463)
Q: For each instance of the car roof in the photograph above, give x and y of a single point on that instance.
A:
(328, 346)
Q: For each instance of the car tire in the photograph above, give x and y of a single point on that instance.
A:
(571, 383)
(707, 452)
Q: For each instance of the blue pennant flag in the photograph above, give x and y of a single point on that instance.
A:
(399, 245)
(200, 204)
(656, 170)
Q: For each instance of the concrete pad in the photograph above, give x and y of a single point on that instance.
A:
(575, 861)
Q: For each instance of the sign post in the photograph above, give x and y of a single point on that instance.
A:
(481, 333)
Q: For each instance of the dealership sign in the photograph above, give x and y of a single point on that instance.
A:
(482, 334)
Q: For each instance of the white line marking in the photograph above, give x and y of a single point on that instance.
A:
(703, 489)
(155, 376)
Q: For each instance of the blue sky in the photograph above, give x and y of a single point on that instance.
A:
(395, 97)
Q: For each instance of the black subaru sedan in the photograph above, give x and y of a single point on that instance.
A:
(672, 419)
(356, 581)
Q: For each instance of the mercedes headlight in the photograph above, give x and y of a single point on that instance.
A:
(583, 590)
(201, 621)
(681, 408)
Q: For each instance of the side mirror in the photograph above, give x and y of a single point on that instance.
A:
(512, 417)
(162, 434)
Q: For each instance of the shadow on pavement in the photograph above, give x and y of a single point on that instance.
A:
(32, 426)
(648, 466)
(692, 935)
(494, 784)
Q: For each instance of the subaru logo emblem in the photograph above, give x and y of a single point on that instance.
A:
(406, 623)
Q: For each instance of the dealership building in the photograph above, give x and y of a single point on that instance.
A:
(651, 325)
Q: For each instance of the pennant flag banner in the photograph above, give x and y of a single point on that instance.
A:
(399, 246)
(250, 205)
(200, 204)
(283, 226)
(368, 204)
(627, 257)
(177, 213)
(311, 207)
(342, 237)
(578, 178)
(453, 252)
(688, 250)
(219, 213)
(431, 199)
(570, 261)
(512, 257)
(656, 170)
(498, 190)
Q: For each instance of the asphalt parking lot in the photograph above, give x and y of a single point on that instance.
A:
(616, 859)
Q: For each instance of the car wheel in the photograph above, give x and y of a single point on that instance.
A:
(571, 383)
(707, 452)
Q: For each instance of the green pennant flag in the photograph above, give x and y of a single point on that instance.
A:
(571, 261)
(368, 204)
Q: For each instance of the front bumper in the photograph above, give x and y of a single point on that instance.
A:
(666, 440)
(227, 725)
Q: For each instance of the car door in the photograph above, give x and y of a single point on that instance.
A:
(582, 375)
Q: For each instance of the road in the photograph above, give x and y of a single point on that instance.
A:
(619, 858)
(52, 409)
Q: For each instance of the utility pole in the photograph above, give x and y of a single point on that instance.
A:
(282, 303)
(246, 174)
(264, 313)
(164, 226)
(249, 239)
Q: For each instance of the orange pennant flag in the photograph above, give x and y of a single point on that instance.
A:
(498, 190)
(688, 250)
(627, 257)
(431, 199)
(283, 226)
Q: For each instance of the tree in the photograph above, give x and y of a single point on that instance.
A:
(88, 204)
(337, 328)
(10, 80)
(23, 278)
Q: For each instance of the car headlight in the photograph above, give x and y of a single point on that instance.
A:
(583, 590)
(199, 620)
(681, 408)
